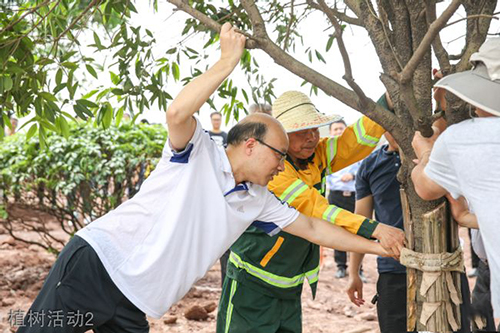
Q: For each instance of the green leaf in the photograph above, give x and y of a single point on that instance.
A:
(7, 83)
(59, 75)
(70, 65)
(64, 127)
(82, 110)
(108, 116)
(330, 42)
(13, 68)
(45, 124)
(41, 137)
(91, 70)
(97, 41)
(114, 78)
(172, 50)
(90, 94)
(138, 68)
(31, 131)
(245, 95)
(175, 71)
(118, 116)
(87, 103)
(44, 61)
(59, 87)
(47, 96)
(191, 50)
(319, 56)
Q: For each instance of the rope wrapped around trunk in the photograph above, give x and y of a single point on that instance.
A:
(433, 266)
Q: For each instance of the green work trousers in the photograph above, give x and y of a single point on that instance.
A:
(242, 310)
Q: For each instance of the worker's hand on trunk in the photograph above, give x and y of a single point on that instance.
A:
(391, 238)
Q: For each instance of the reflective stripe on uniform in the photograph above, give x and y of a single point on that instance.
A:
(229, 312)
(273, 279)
(331, 151)
(313, 275)
(293, 191)
(331, 213)
(361, 135)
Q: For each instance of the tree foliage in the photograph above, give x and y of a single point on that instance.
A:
(77, 179)
(46, 71)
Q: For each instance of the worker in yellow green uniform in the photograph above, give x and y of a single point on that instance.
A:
(265, 273)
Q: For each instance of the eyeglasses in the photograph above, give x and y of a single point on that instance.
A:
(282, 154)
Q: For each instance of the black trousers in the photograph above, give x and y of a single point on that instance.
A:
(78, 295)
(338, 199)
(481, 298)
(391, 303)
(473, 256)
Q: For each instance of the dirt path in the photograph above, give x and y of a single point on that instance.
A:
(23, 269)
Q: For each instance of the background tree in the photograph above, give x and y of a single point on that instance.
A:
(40, 38)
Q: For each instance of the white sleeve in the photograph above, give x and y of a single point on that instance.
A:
(440, 168)
(275, 214)
(199, 140)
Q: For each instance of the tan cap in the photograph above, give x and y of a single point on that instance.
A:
(296, 112)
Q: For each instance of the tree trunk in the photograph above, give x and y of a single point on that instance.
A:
(433, 273)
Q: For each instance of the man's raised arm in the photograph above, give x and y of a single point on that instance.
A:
(181, 124)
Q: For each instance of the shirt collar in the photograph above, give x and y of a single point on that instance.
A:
(226, 168)
(389, 153)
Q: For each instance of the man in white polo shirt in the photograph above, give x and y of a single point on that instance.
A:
(145, 255)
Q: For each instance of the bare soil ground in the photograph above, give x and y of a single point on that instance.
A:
(23, 268)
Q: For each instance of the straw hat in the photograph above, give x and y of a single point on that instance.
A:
(481, 85)
(296, 112)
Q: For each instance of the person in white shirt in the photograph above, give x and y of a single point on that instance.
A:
(464, 160)
(145, 255)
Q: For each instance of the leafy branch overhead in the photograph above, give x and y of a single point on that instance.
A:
(52, 69)
(52, 53)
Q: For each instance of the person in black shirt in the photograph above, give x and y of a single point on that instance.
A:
(220, 137)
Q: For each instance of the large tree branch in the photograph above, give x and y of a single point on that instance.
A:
(470, 17)
(204, 19)
(338, 14)
(353, 5)
(379, 37)
(441, 53)
(345, 56)
(289, 27)
(330, 87)
(207, 21)
(259, 26)
(423, 47)
(476, 29)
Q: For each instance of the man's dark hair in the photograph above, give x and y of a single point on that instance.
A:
(341, 121)
(214, 113)
(246, 130)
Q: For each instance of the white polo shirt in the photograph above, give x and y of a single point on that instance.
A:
(188, 212)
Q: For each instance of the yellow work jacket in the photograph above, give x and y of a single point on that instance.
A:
(278, 265)
(304, 189)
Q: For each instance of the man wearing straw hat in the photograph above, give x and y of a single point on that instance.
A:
(263, 285)
(464, 160)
